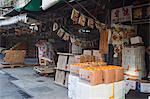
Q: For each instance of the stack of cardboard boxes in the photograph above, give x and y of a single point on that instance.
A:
(94, 81)
(138, 85)
(89, 56)
(133, 61)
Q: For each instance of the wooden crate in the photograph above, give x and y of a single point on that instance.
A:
(14, 56)
(62, 61)
(61, 78)
(66, 79)
(65, 60)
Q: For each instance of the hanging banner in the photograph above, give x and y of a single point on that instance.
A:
(123, 14)
(79, 18)
(55, 26)
(90, 23)
(75, 16)
(66, 37)
(60, 32)
(82, 20)
(77, 41)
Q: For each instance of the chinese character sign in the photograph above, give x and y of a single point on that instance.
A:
(121, 14)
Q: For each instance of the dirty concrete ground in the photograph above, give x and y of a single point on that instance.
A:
(32, 85)
(9, 90)
(24, 83)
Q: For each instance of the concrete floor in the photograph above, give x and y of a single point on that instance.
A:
(24, 83)
(32, 85)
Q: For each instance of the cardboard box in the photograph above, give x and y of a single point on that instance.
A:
(98, 55)
(72, 86)
(101, 91)
(92, 77)
(87, 52)
(119, 74)
(108, 76)
(131, 84)
(132, 74)
(74, 69)
(87, 58)
(136, 40)
(145, 86)
(77, 58)
(140, 85)
(14, 56)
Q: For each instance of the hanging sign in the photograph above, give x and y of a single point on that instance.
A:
(77, 41)
(79, 18)
(55, 26)
(141, 13)
(75, 16)
(91, 23)
(123, 14)
(82, 20)
(60, 32)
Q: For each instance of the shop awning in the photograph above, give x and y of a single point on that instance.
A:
(32, 5)
(13, 12)
(13, 20)
(49, 3)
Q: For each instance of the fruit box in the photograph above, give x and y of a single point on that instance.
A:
(87, 58)
(93, 77)
(108, 76)
(74, 69)
(119, 74)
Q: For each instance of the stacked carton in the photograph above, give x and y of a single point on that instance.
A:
(74, 68)
(139, 85)
(102, 74)
(96, 81)
(133, 61)
(72, 86)
(89, 56)
(96, 53)
(101, 91)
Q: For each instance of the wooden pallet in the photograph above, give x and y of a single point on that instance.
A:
(47, 72)
(14, 65)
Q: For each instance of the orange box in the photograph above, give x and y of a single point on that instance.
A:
(119, 74)
(74, 69)
(93, 77)
(87, 58)
(108, 76)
